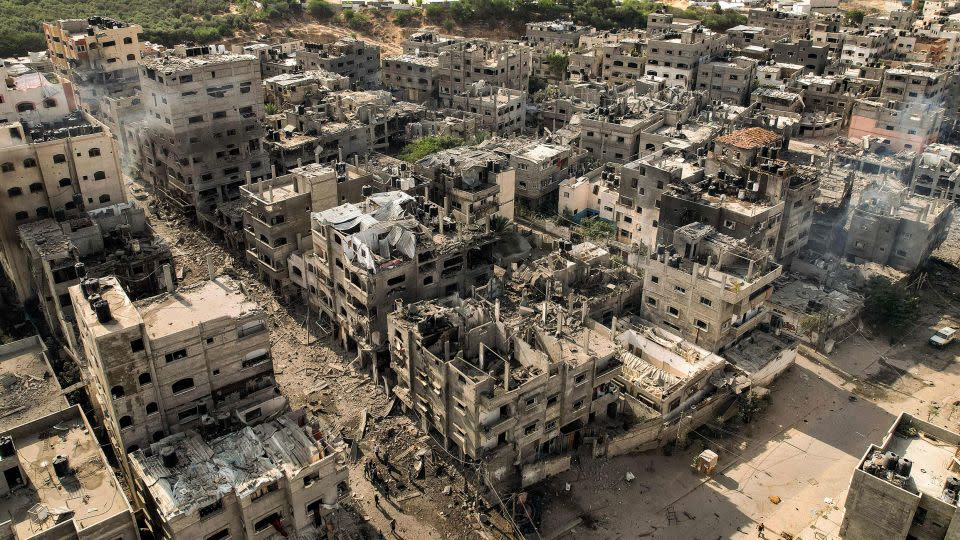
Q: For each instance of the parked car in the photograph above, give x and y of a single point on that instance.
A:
(943, 337)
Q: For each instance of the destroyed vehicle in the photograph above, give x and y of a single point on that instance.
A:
(943, 337)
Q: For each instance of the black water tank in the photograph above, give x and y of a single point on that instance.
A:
(904, 467)
(7, 448)
(890, 461)
(168, 455)
(61, 466)
(952, 483)
(80, 269)
(366, 191)
(102, 307)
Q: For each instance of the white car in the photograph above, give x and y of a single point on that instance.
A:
(943, 337)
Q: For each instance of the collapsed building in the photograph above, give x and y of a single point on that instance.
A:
(278, 477)
(110, 241)
(393, 246)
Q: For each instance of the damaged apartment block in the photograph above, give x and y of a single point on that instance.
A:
(197, 357)
(281, 477)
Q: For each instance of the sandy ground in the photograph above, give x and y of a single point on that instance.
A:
(802, 449)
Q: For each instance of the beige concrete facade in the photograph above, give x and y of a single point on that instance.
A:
(161, 365)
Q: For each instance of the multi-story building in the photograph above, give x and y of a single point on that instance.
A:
(707, 287)
(914, 85)
(471, 183)
(865, 47)
(540, 167)
(803, 52)
(60, 449)
(350, 57)
(276, 479)
(99, 55)
(203, 127)
(110, 241)
(779, 23)
(55, 170)
(897, 125)
(643, 181)
(890, 226)
(501, 111)
(623, 61)
(936, 172)
(906, 487)
(500, 64)
(175, 361)
(33, 96)
(276, 217)
(743, 36)
(729, 81)
(676, 56)
(366, 257)
(562, 34)
(412, 78)
(507, 394)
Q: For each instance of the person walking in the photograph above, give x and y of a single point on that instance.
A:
(760, 529)
(376, 500)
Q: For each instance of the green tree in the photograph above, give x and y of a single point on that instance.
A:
(597, 228)
(425, 146)
(319, 9)
(558, 63)
(855, 16)
(889, 307)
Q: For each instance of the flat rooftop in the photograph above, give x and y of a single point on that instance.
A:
(172, 63)
(755, 351)
(190, 306)
(28, 387)
(87, 495)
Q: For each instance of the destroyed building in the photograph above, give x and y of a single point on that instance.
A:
(203, 128)
(811, 312)
(889, 226)
(349, 57)
(57, 483)
(199, 356)
(99, 57)
(33, 96)
(707, 287)
(276, 217)
(278, 478)
(504, 395)
(504, 65)
(291, 89)
(53, 170)
(936, 172)
(29, 388)
(412, 78)
(471, 184)
(390, 247)
(111, 241)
